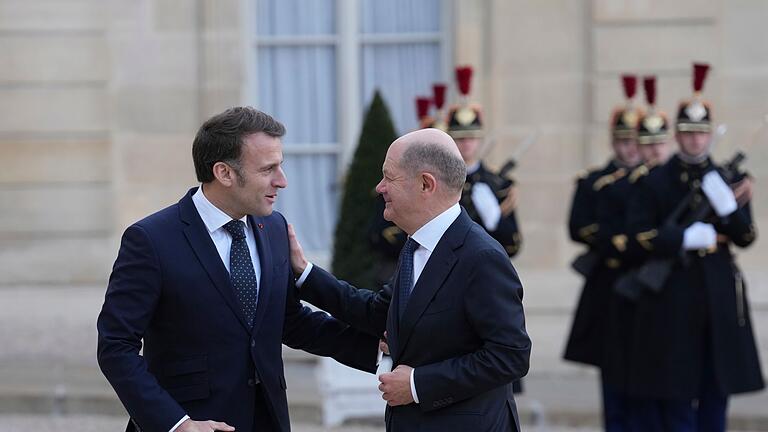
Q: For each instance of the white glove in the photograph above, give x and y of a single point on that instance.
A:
(700, 235)
(385, 365)
(487, 205)
(718, 193)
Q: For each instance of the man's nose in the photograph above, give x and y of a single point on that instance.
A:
(281, 181)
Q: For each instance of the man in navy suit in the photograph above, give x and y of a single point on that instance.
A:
(207, 286)
(455, 324)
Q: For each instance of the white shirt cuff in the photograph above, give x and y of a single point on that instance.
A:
(176, 426)
(304, 274)
(413, 387)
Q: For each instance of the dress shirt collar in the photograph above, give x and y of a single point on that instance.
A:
(430, 234)
(212, 216)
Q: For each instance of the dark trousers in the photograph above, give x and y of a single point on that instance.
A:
(713, 404)
(707, 414)
(654, 415)
(616, 407)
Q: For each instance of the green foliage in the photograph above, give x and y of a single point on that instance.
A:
(353, 258)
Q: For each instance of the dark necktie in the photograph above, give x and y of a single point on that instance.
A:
(241, 271)
(405, 274)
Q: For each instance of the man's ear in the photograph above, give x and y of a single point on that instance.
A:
(428, 182)
(224, 174)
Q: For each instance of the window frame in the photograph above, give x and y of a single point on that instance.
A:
(348, 42)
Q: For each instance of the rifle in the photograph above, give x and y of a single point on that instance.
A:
(654, 273)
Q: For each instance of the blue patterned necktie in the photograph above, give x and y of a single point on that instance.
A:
(241, 271)
(405, 275)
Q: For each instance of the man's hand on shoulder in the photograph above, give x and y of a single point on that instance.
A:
(298, 261)
(396, 386)
(203, 426)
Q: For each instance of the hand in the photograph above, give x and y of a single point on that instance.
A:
(203, 426)
(700, 235)
(298, 261)
(718, 193)
(396, 386)
(486, 205)
(743, 191)
(509, 204)
(383, 347)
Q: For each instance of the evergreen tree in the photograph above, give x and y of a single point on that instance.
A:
(353, 258)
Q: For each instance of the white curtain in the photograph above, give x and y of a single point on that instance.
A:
(298, 85)
(405, 70)
(401, 72)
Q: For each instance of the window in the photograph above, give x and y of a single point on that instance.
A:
(315, 65)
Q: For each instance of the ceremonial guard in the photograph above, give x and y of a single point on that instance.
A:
(692, 343)
(489, 198)
(612, 208)
(597, 221)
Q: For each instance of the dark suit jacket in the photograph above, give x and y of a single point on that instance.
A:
(170, 288)
(463, 331)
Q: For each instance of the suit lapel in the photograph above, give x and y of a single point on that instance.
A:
(203, 247)
(265, 259)
(439, 265)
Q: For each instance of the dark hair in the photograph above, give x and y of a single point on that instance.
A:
(220, 138)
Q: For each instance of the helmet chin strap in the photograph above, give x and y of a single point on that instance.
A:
(693, 160)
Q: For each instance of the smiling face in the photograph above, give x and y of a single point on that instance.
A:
(258, 176)
(400, 191)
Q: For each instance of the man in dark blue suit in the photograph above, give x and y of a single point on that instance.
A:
(455, 324)
(207, 286)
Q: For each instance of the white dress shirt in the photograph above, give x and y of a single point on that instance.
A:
(428, 236)
(214, 220)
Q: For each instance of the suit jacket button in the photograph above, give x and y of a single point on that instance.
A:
(251, 382)
(253, 343)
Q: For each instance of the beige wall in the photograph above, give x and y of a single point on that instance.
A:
(55, 181)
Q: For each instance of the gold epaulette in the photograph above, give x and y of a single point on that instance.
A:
(645, 237)
(638, 172)
(588, 231)
(583, 174)
(619, 242)
(608, 179)
(390, 234)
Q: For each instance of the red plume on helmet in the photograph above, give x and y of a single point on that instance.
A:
(422, 107)
(699, 76)
(464, 79)
(649, 83)
(438, 95)
(630, 85)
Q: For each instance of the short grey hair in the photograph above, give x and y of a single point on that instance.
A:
(447, 167)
